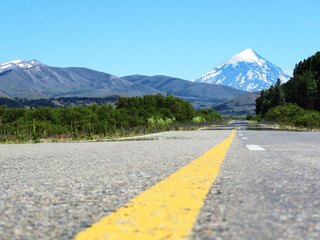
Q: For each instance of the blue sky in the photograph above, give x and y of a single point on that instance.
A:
(180, 38)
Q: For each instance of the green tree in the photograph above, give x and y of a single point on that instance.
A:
(279, 94)
(304, 87)
(2, 110)
(11, 115)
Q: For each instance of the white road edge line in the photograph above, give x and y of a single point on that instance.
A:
(255, 148)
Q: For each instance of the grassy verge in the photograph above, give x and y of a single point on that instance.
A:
(110, 136)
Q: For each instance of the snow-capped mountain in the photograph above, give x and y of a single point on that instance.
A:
(246, 71)
(18, 64)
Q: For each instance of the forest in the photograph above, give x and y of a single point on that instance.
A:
(297, 101)
(141, 114)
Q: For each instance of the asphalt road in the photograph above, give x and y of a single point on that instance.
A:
(54, 191)
(270, 194)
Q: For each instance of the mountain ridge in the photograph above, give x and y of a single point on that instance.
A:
(73, 81)
(26, 79)
(196, 93)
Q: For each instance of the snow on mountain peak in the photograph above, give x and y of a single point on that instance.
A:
(18, 64)
(246, 71)
(247, 55)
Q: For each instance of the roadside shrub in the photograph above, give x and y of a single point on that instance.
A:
(310, 119)
(285, 114)
(249, 117)
(198, 119)
(209, 114)
(160, 122)
(292, 114)
(151, 122)
(169, 121)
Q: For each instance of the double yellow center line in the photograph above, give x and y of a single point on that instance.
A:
(168, 210)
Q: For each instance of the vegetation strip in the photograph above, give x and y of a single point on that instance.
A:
(131, 116)
(167, 210)
(295, 103)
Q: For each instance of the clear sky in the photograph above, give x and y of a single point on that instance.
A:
(179, 38)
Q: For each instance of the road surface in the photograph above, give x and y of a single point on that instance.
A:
(268, 191)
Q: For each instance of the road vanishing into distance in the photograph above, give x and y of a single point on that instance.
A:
(208, 184)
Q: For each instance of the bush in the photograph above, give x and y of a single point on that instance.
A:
(310, 119)
(249, 117)
(198, 119)
(294, 115)
(285, 113)
(209, 114)
(151, 122)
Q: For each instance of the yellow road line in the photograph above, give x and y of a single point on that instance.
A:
(167, 210)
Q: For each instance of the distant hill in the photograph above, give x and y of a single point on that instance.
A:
(34, 78)
(3, 96)
(201, 95)
(239, 106)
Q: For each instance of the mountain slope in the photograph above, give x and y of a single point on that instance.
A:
(39, 79)
(246, 71)
(196, 93)
(239, 106)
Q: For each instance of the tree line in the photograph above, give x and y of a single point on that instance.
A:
(56, 102)
(149, 112)
(301, 91)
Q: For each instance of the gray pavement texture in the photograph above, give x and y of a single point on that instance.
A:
(271, 194)
(53, 191)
